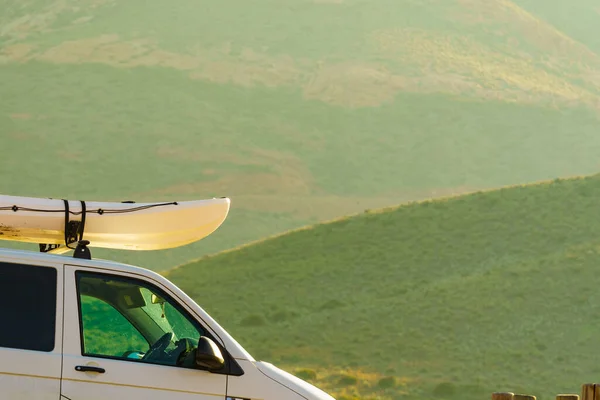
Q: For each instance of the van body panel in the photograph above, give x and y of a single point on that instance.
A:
(31, 374)
(292, 382)
(256, 385)
(28, 375)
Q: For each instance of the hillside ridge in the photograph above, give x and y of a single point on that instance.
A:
(381, 210)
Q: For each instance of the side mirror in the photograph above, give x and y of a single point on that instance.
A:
(208, 355)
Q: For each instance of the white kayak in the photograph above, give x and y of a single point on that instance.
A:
(129, 226)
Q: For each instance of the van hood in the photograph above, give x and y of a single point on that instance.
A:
(292, 382)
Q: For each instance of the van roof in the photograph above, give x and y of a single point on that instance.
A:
(39, 257)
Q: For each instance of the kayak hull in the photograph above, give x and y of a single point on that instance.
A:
(139, 226)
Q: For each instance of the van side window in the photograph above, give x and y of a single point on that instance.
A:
(29, 316)
(106, 331)
(129, 319)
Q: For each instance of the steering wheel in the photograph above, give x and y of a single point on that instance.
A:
(159, 346)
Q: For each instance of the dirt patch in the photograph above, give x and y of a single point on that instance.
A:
(121, 53)
(70, 155)
(19, 136)
(353, 85)
(21, 116)
(18, 52)
(82, 20)
(251, 68)
(259, 172)
(76, 51)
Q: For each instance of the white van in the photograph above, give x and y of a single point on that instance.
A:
(79, 329)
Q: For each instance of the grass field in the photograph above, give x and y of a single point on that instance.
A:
(452, 298)
(300, 111)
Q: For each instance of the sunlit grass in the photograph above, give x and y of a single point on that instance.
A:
(453, 298)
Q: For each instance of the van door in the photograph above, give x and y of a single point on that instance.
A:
(30, 331)
(127, 338)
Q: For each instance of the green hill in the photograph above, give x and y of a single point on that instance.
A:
(573, 19)
(299, 110)
(451, 298)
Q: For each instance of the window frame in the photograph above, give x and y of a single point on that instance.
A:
(8, 264)
(231, 367)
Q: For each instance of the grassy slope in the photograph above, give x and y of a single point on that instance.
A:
(573, 19)
(485, 292)
(298, 110)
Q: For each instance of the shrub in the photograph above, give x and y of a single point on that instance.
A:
(445, 389)
(347, 380)
(306, 374)
(331, 304)
(253, 320)
(387, 382)
(282, 315)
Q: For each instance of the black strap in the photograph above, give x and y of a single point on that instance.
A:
(74, 229)
(82, 224)
(66, 222)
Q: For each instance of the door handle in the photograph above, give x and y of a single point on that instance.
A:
(87, 368)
